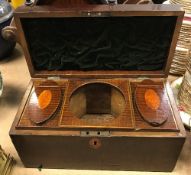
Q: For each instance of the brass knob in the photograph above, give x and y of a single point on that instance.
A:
(8, 33)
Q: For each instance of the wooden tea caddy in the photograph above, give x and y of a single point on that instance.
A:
(91, 69)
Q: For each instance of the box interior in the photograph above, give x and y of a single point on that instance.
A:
(97, 100)
(99, 104)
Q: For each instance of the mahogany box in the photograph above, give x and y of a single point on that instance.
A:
(99, 96)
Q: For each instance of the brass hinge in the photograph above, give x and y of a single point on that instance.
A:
(54, 78)
(143, 78)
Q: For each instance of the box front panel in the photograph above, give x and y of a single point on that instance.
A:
(114, 153)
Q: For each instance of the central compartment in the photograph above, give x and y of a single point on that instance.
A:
(97, 101)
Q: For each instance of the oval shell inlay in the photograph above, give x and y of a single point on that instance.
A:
(152, 99)
(44, 99)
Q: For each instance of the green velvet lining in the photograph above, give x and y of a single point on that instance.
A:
(99, 43)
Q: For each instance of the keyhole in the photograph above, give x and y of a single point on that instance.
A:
(95, 143)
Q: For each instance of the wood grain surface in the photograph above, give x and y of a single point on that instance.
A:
(118, 119)
(34, 110)
(122, 121)
(154, 117)
(146, 118)
(39, 113)
(25, 122)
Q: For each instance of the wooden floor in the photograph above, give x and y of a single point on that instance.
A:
(16, 78)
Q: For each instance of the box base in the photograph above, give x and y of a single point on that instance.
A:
(146, 149)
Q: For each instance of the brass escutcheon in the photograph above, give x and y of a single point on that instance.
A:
(95, 143)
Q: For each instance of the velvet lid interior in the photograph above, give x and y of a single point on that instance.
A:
(99, 43)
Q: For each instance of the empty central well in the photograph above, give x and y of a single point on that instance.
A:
(97, 101)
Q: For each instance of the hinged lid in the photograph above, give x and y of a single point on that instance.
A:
(99, 41)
